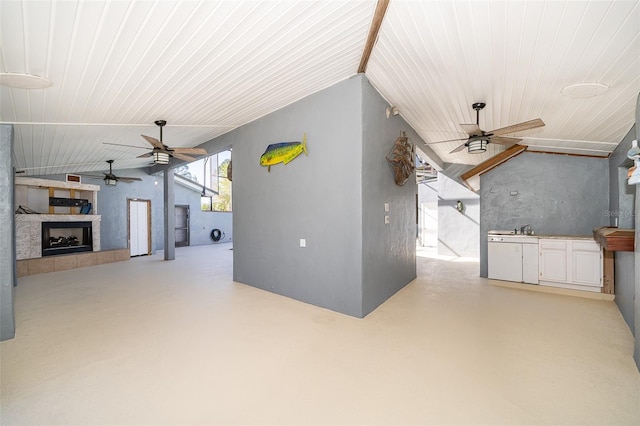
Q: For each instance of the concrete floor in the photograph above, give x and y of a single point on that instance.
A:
(154, 342)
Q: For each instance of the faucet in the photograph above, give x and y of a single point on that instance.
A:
(526, 229)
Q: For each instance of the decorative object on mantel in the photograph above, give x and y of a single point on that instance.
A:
(634, 172)
(401, 159)
(25, 210)
(283, 152)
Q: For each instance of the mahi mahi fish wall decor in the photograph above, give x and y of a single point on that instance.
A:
(283, 152)
(401, 159)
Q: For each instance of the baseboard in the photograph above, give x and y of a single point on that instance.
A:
(553, 290)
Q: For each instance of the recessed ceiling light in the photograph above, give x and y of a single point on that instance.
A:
(585, 90)
(23, 81)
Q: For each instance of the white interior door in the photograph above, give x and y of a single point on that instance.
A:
(138, 227)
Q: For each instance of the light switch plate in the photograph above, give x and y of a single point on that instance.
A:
(303, 242)
(386, 207)
(386, 218)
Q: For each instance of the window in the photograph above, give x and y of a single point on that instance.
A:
(211, 174)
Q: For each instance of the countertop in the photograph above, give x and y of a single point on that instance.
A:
(543, 236)
(567, 237)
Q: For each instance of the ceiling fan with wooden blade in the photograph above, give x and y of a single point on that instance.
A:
(110, 178)
(162, 152)
(478, 139)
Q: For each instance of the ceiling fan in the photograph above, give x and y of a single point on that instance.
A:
(111, 179)
(478, 139)
(161, 152)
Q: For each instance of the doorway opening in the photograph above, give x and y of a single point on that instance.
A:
(182, 225)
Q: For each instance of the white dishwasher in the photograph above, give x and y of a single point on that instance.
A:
(513, 258)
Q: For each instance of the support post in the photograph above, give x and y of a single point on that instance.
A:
(608, 272)
(169, 215)
(7, 235)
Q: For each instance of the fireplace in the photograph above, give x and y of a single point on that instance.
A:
(66, 237)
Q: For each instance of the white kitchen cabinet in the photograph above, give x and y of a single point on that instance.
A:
(586, 263)
(575, 264)
(553, 260)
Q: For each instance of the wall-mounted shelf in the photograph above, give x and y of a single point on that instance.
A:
(35, 194)
(615, 239)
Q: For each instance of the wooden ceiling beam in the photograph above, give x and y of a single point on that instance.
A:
(376, 23)
(471, 177)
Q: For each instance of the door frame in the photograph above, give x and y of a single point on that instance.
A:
(187, 207)
(139, 200)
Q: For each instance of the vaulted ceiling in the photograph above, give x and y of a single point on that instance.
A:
(207, 67)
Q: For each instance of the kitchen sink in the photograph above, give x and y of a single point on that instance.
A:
(512, 238)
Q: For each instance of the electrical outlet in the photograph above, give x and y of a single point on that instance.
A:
(386, 218)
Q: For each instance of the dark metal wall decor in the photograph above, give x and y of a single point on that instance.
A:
(401, 159)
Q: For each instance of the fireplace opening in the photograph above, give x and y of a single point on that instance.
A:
(66, 237)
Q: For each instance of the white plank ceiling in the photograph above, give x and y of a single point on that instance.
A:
(208, 67)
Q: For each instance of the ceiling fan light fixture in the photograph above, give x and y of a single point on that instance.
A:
(478, 146)
(160, 157)
(110, 182)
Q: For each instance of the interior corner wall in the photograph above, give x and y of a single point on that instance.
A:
(7, 234)
(556, 195)
(388, 250)
(622, 209)
(316, 197)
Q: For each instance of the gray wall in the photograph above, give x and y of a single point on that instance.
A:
(622, 207)
(315, 197)
(388, 250)
(332, 198)
(7, 234)
(428, 214)
(458, 233)
(557, 194)
(636, 304)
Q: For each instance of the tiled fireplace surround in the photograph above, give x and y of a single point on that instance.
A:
(29, 246)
